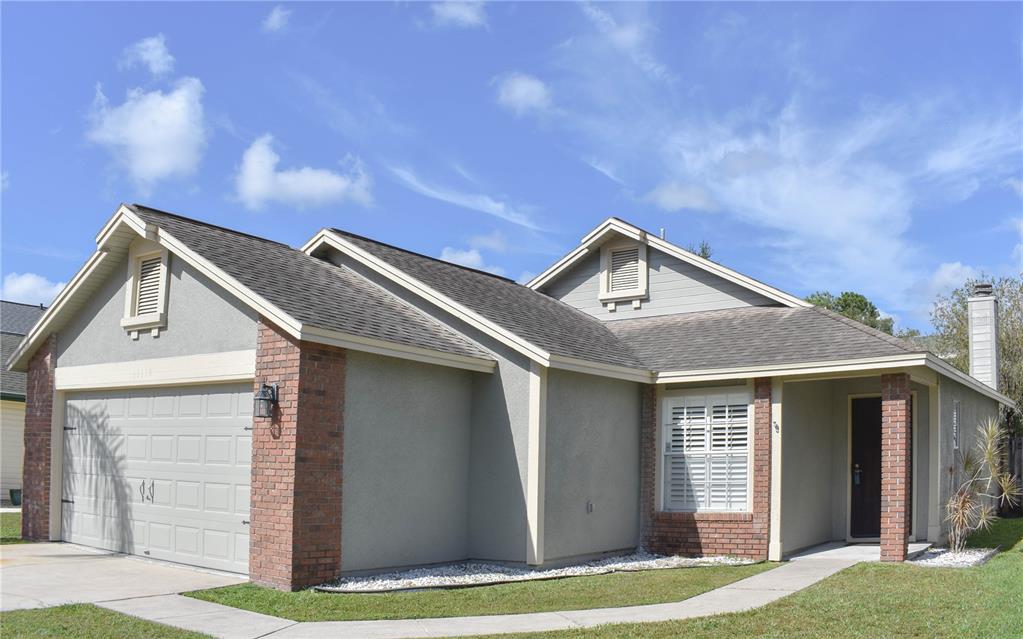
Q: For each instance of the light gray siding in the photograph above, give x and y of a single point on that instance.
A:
(498, 439)
(674, 287)
(406, 463)
(974, 410)
(201, 318)
(592, 457)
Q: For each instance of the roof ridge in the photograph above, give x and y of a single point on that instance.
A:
(428, 257)
(869, 330)
(208, 224)
(39, 306)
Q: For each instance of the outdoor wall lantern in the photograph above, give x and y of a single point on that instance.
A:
(264, 400)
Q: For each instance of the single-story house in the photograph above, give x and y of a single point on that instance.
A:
(204, 396)
(15, 320)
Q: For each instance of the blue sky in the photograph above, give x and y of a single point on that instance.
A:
(867, 147)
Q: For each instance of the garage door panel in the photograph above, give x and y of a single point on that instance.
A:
(161, 472)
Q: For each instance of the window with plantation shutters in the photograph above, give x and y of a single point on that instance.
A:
(624, 269)
(706, 448)
(147, 292)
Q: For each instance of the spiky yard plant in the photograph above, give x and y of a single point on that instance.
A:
(982, 486)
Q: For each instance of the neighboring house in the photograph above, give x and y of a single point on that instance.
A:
(633, 394)
(15, 321)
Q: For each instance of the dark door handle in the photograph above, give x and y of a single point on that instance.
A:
(142, 490)
(152, 483)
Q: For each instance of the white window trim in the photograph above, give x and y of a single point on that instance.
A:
(606, 294)
(142, 250)
(662, 402)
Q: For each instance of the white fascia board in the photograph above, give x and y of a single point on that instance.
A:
(786, 370)
(256, 302)
(438, 299)
(19, 359)
(613, 225)
(230, 366)
(603, 370)
(941, 366)
(392, 349)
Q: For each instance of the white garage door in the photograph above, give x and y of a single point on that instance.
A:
(160, 472)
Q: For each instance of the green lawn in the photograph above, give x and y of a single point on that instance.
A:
(873, 600)
(84, 621)
(10, 528)
(574, 593)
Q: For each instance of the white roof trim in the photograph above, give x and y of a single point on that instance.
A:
(603, 370)
(908, 360)
(295, 328)
(474, 319)
(393, 349)
(613, 225)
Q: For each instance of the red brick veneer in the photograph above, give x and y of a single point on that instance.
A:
(296, 463)
(35, 505)
(896, 438)
(742, 534)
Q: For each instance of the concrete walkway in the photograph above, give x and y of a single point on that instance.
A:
(232, 623)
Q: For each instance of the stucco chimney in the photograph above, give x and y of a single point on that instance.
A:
(982, 309)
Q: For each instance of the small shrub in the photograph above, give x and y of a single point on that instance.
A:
(982, 486)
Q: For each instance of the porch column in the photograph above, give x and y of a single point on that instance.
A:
(896, 465)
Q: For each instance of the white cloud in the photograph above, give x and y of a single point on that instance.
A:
(946, 277)
(472, 201)
(525, 276)
(674, 196)
(151, 53)
(604, 169)
(1017, 252)
(632, 38)
(5, 180)
(259, 182)
(468, 257)
(464, 15)
(277, 19)
(29, 288)
(152, 135)
(1015, 184)
(495, 241)
(521, 93)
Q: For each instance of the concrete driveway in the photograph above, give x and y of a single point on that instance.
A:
(42, 575)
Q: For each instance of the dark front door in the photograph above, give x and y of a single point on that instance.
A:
(865, 510)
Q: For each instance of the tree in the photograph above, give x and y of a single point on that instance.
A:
(854, 306)
(950, 319)
(703, 250)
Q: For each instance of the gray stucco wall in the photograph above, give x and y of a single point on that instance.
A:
(201, 318)
(406, 463)
(807, 471)
(498, 439)
(592, 456)
(674, 287)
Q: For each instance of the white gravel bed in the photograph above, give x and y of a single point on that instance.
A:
(945, 558)
(474, 573)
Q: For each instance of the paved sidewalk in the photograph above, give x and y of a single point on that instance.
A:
(231, 623)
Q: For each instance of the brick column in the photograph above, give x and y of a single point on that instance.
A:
(745, 534)
(35, 506)
(296, 463)
(762, 459)
(896, 438)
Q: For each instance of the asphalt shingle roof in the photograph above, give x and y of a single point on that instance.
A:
(539, 319)
(312, 290)
(18, 318)
(752, 336)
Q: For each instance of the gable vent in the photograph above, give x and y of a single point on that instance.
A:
(625, 269)
(147, 300)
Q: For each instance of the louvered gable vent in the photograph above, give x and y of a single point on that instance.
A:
(148, 294)
(625, 269)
